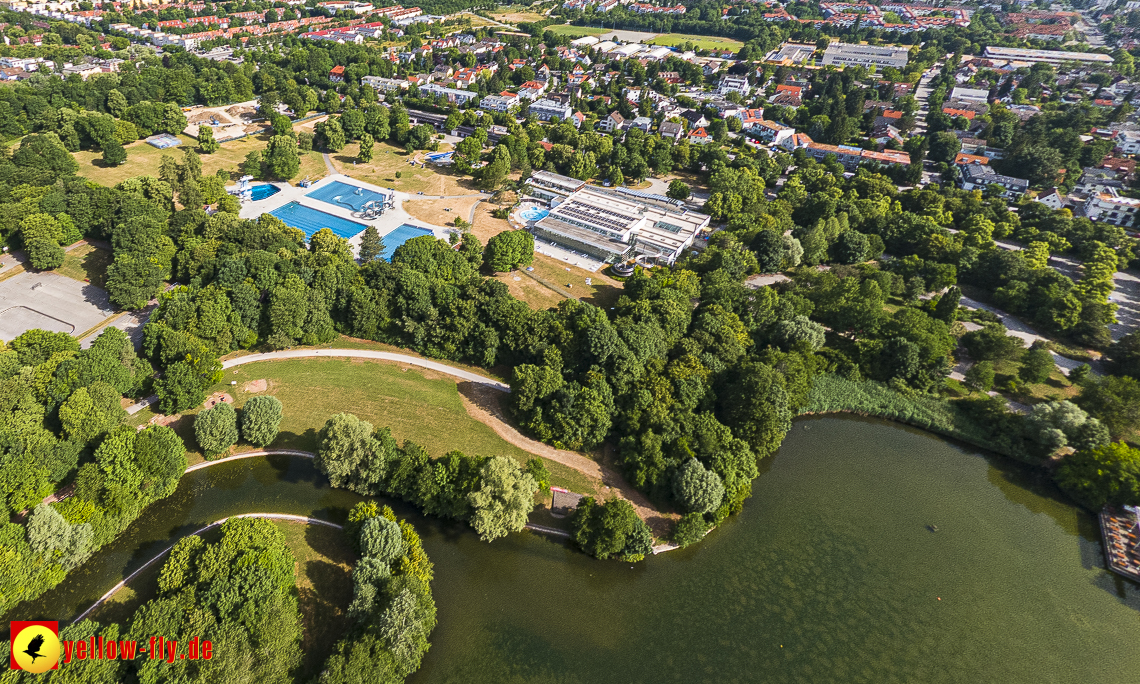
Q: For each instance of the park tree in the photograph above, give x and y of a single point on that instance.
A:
(611, 530)
(251, 166)
(216, 429)
(367, 148)
(91, 411)
(509, 250)
(380, 538)
(281, 157)
(691, 528)
(1124, 355)
(206, 142)
(113, 152)
(755, 405)
(798, 333)
(991, 343)
(1108, 474)
(503, 500)
(492, 175)
(851, 247)
(349, 455)
(769, 248)
(1036, 365)
(331, 135)
(980, 376)
(179, 388)
(1115, 401)
(56, 540)
(1055, 424)
(371, 245)
(947, 307)
(260, 420)
(696, 489)
(44, 253)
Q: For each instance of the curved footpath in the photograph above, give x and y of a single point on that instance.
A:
(346, 353)
(275, 516)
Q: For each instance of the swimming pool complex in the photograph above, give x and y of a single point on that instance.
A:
(311, 220)
(345, 195)
(534, 214)
(263, 191)
(399, 236)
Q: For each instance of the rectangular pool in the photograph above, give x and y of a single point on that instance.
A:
(399, 236)
(311, 220)
(345, 195)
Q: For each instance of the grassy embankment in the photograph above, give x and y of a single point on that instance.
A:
(416, 404)
(86, 263)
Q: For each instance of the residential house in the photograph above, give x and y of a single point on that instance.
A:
(1052, 199)
(612, 122)
(546, 110)
(734, 84)
(672, 130)
(771, 132)
(336, 74)
(980, 177)
(1110, 207)
(699, 136)
(695, 118)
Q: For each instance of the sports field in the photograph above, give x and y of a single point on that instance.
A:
(567, 30)
(700, 42)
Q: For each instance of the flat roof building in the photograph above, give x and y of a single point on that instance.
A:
(848, 54)
(613, 225)
(1054, 57)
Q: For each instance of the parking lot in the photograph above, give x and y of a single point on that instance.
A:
(50, 302)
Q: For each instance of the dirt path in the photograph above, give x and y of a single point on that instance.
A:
(485, 405)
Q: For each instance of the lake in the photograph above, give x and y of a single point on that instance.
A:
(831, 574)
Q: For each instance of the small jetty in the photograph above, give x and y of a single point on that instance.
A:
(1120, 529)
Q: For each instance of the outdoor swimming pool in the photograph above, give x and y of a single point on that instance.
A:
(311, 220)
(263, 191)
(399, 236)
(533, 214)
(345, 195)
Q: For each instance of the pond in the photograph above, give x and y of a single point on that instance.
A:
(829, 575)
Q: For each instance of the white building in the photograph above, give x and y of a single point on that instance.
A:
(1109, 207)
(451, 94)
(847, 54)
(613, 225)
(497, 103)
(380, 83)
(1054, 57)
(975, 95)
(546, 110)
(734, 84)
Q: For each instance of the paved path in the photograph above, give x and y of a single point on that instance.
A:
(328, 163)
(368, 354)
(1019, 329)
(346, 353)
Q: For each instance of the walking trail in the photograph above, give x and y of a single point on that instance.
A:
(482, 404)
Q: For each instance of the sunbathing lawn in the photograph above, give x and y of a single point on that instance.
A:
(517, 14)
(143, 160)
(419, 405)
(387, 160)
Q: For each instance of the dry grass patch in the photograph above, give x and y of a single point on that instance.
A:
(86, 264)
(517, 16)
(441, 212)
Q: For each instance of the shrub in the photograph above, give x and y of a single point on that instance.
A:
(260, 420)
(690, 529)
(1105, 475)
(696, 489)
(216, 429)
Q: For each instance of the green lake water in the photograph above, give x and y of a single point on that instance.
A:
(829, 575)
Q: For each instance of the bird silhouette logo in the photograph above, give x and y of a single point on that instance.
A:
(35, 646)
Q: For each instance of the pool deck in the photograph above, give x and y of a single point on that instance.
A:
(391, 220)
(1118, 529)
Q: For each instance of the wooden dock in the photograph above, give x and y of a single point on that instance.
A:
(1118, 529)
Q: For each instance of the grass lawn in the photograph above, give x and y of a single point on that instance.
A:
(517, 14)
(323, 568)
(1057, 387)
(441, 212)
(568, 30)
(701, 42)
(559, 278)
(387, 159)
(88, 264)
(417, 405)
(143, 160)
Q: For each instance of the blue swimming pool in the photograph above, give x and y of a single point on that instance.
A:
(311, 220)
(399, 236)
(263, 191)
(534, 214)
(345, 195)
